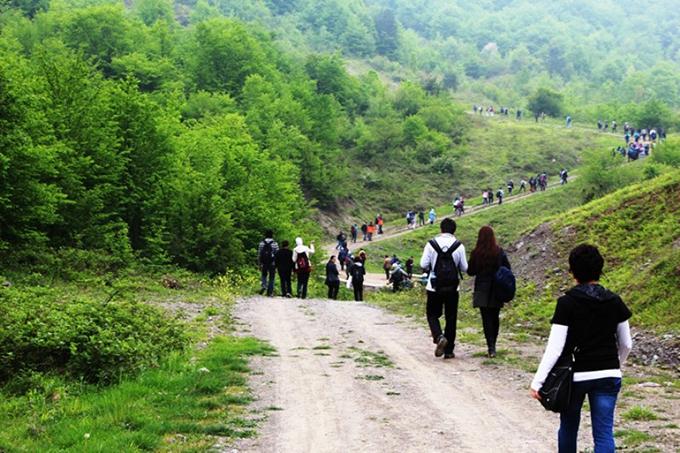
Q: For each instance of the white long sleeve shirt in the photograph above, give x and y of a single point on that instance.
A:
(429, 258)
(556, 342)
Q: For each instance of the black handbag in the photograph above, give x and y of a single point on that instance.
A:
(556, 390)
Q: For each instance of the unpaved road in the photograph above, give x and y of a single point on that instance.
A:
(331, 386)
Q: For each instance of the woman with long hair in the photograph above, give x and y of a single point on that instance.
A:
(484, 261)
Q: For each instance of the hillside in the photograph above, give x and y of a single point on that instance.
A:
(493, 151)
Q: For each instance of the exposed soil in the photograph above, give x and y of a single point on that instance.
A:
(349, 377)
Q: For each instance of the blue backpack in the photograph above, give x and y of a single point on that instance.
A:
(504, 285)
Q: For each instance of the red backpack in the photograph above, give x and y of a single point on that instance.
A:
(302, 264)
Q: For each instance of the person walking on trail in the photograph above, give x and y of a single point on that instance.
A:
(284, 267)
(396, 277)
(543, 181)
(370, 231)
(563, 176)
(568, 121)
(444, 261)
(266, 260)
(332, 278)
(357, 272)
(387, 265)
(364, 231)
(409, 267)
(353, 231)
(522, 186)
(342, 240)
(591, 323)
(485, 197)
(499, 195)
(303, 266)
(511, 185)
(485, 260)
(421, 218)
(380, 222)
(432, 216)
(490, 192)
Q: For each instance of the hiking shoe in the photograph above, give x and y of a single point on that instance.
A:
(492, 354)
(441, 344)
(450, 356)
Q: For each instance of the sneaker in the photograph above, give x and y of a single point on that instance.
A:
(441, 344)
(492, 354)
(450, 356)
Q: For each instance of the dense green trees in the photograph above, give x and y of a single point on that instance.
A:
(128, 134)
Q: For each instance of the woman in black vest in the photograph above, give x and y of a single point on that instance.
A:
(484, 261)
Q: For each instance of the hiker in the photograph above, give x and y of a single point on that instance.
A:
(370, 231)
(532, 184)
(357, 272)
(543, 181)
(518, 114)
(409, 267)
(563, 176)
(408, 219)
(396, 277)
(421, 218)
(568, 121)
(379, 221)
(364, 231)
(614, 126)
(284, 267)
(485, 197)
(387, 265)
(342, 254)
(522, 186)
(342, 240)
(444, 260)
(599, 125)
(303, 266)
(511, 185)
(485, 260)
(332, 278)
(432, 216)
(266, 254)
(349, 260)
(490, 192)
(499, 195)
(354, 232)
(459, 206)
(591, 323)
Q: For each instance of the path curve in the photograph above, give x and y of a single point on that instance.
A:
(324, 392)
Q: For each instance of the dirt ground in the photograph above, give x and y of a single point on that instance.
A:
(350, 377)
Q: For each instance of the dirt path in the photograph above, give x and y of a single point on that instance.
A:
(349, 377)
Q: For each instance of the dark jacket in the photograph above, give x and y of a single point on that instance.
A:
(332, 275)
(284, 260)
(483, 295)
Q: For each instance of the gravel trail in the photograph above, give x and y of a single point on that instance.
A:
(349, 377)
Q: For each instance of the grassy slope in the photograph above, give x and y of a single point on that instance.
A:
(497, 149)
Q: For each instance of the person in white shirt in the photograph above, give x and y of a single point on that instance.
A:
(301, 257)
(591, 323)
(445, 254)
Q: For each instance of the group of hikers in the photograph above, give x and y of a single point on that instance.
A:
(538, 182)
(271, 259)
(639, 142)
(505, 111)
(589, 326)
(411, 216)
(367, 229)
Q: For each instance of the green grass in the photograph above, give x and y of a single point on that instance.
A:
(632, 437)
(497, 149)
(366, 358)
(639, 413)
(179, 399)
(509, 221)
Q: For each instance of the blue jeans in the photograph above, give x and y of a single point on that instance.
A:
(602, 394)
(267, 280)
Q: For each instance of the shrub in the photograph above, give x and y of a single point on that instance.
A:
(668, 152)
(87, 339)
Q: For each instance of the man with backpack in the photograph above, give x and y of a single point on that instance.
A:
(444, 261)
(357, 272)
(499, 195)
(396, 277)
(303, 266)
(266, 253)
(284, 266)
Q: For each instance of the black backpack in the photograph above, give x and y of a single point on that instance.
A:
(357, 273)
(447, 275)
(267, 255)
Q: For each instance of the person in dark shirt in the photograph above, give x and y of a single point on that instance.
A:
(332, 278)
(284, 267)
(591, 323)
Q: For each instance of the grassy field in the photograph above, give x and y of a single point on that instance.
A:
(496, 149)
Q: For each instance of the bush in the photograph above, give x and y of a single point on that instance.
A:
(86, 339)
(668, 152)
